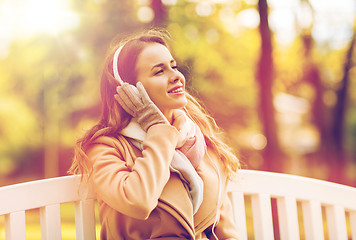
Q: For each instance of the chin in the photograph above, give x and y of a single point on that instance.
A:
(183, 103)
(173, 104)
(180, 105)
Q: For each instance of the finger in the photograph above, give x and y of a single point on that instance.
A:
(123, 85)
(133, 94)
(123, 104)
(126, 97)
(143, 92)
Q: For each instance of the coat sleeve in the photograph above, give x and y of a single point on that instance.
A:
(226, 228)
(133, 191)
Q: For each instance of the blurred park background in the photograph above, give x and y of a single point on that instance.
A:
(279, 77)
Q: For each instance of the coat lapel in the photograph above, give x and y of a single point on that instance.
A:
(175, 200)
(205, 216)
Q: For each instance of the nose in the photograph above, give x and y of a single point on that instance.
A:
(176, 79)
(176, 76)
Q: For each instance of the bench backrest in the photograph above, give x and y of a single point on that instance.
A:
(253, 192)
(47, 195)
(315, 197)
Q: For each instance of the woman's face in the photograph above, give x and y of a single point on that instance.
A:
(157, 71)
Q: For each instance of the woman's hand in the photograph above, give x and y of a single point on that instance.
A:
(138, 104)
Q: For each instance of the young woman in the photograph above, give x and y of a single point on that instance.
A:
(155, 158)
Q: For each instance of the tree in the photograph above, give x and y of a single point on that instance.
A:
(265, 75)
(160, 13)
(338, 156)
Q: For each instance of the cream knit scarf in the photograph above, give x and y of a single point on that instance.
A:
(189, 152)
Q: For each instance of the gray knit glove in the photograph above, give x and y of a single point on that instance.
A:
(138, 104)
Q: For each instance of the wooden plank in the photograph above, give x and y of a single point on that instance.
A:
(15, 226)
(50, 217)
(336, 220)
(85, 219)
(353, 224)
(313, 220)
(238, 208)
(279, 184)
(44, 192)
(262, 216)
(288, 218)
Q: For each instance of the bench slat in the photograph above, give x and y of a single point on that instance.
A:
(15, 226)
(288, 218)
(262, 216)
(50, 217)
(85, 219)
(313, 220)
(279, 184)
(237, 198)
(353, 224)
(31, 195)
(336, 219)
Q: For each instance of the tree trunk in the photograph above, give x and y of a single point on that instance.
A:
(318, 109)
(338, 158)
(160, 13)
(265, 74)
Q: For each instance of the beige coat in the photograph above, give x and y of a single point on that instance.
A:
(139, 198)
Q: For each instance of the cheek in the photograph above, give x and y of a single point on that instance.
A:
(154, 89)
(182, 76)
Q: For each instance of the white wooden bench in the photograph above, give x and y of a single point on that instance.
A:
(251, 195)
(337, 201)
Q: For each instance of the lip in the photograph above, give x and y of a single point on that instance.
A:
(176, 88)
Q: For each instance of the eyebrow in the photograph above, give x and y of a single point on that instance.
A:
(162, 64)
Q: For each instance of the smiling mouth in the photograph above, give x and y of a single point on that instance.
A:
(177, 90)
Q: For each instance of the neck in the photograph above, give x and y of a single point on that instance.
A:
(169, 115)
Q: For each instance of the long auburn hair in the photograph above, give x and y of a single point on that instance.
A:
(114, 118)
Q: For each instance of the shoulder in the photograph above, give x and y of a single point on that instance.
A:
(107, 145)
(110, 141)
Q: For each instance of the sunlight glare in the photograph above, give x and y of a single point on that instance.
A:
(47, 16)
(22, 19)
(36, 16)
(331, 21)
(212, 36)
(248, 18)
(292, 104)
(258, 141)
(145, 14)
(204, 9)
(169, 2)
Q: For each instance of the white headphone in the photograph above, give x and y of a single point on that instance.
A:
(114, 65)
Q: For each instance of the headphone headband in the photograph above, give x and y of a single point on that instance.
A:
(114, 65)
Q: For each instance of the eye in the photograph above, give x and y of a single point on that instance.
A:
(158, 72)
(175, 67)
